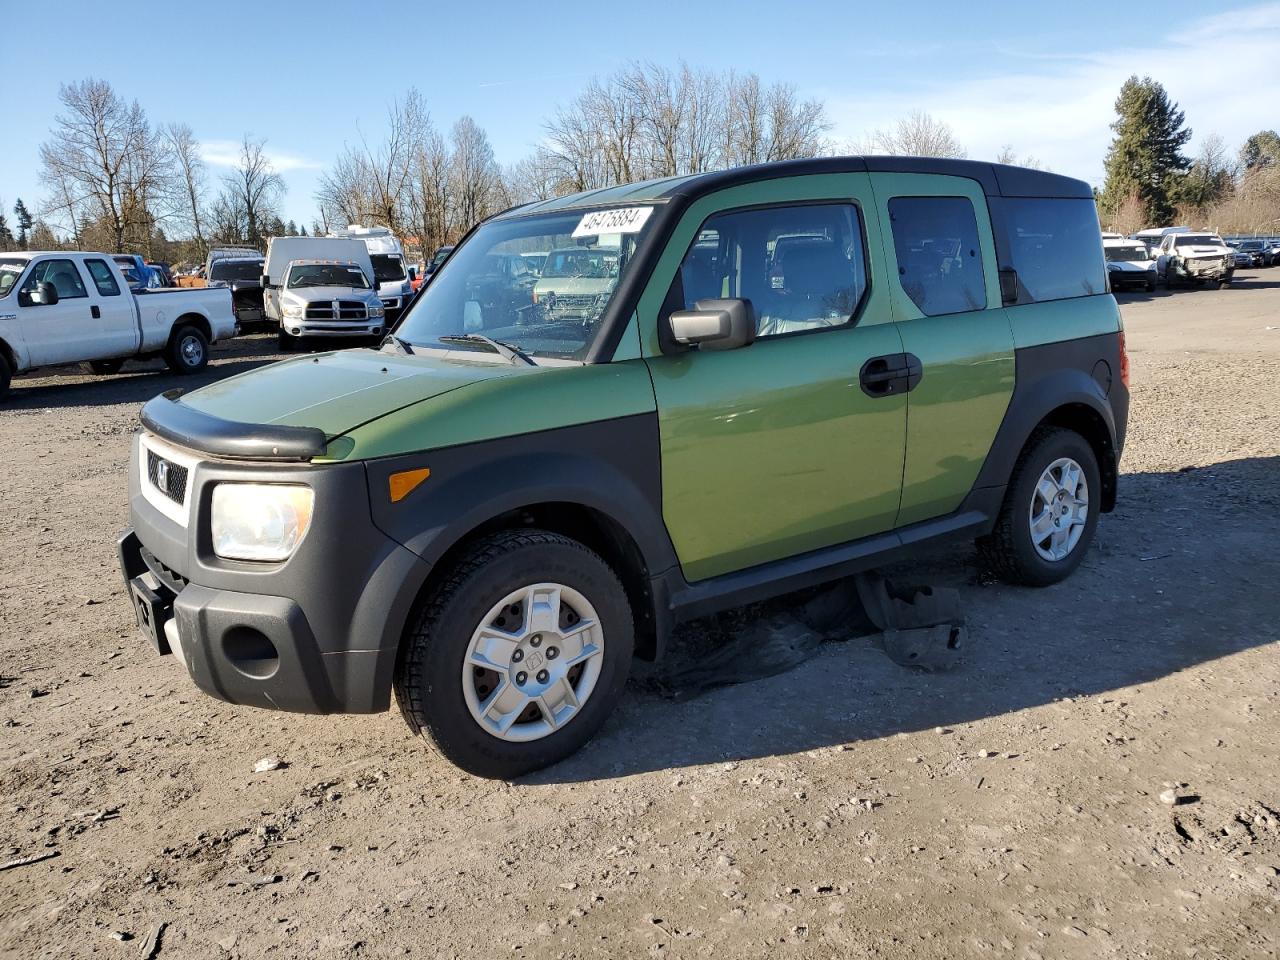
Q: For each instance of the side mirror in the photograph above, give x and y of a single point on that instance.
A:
(45, 294)
(413, 274)
(266, 281)
(715, 325)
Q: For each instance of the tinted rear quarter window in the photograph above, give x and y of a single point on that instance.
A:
(1055, 245)
(935, 241)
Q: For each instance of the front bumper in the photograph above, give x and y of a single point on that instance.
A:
(318, 633)
(313, 328)
(1132, 278)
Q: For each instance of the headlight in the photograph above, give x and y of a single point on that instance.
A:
(260, 521)
(376, 311)
(294, 310)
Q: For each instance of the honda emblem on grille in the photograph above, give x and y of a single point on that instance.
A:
(162, 475)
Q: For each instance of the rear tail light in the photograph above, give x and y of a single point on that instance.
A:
(1124, 362)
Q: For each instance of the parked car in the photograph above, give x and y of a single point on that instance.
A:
(1129, 264)
(337, 302)
(495, 521)
(437, 258)
(575, 281)
(66, 307)
(243, 277)
(390, 273)
(329, 298)
(1258, 251)
(137, 274)
(165, 274)
(1195, 258)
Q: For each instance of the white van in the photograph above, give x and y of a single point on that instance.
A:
(392, 276)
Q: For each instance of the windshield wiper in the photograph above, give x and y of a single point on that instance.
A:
(403, 346)
(507, 350)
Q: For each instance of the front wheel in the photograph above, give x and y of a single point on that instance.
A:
(515, 660)
(6, 376)
(1050, 511)
(286, 341)
(188, 350)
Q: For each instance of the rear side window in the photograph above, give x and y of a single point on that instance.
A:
(102, 278)
(935, 240)
(1055, 246)
(802, 267)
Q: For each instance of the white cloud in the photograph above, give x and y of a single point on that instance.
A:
(226, 153)
(1058, 107)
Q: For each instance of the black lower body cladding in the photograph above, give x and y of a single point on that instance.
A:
(318, 633)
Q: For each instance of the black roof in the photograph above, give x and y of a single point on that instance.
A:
(997, 180)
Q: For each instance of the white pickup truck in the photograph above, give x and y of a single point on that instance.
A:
(66, 307)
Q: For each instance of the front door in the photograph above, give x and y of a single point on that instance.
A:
(945, 295)
(775, 449)
(64, 331)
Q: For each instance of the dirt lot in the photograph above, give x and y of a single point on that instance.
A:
(849, 807)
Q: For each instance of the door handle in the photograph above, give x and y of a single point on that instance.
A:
(890, 375)
(96, 312)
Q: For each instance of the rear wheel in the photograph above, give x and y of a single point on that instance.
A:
(1050, 511)
(188, 350)
(105, 368)
(517, 658)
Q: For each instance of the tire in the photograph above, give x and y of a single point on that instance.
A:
(187, 351)
(1151, 286)
(1010, 550)
(6, 375)
(286, 341)
(444, 700)
(1224, 284)
(104, 368)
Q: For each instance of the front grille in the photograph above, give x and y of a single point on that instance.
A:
(337, 310)
(174, 477)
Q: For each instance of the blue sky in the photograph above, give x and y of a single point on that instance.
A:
(310, 77)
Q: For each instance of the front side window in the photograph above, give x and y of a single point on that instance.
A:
(935, 241)
(387, 267)
(801, 267)
(488, 287)
(326, 275)
(62, 274)
(102, 278)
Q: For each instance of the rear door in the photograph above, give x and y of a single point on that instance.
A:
(774, 449)
(945, 297)
(118, 327)
(67, 330)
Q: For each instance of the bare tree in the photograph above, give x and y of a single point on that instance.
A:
(1129, 216)
(1010, 156)
(103, 163)
(475, 181)
(190, 179)
(252, 192)
(916, 135)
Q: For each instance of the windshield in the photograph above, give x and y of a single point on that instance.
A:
(439, 256)
(1251, 245)
(489, 287)
(1135, 252)
(387, 267)
(10, 269)
(236, 270)
(1199, 240)
(327, 275)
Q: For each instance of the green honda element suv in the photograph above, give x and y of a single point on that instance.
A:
(777, 376)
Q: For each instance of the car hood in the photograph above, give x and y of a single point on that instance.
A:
(336, 392)
(1203, 250)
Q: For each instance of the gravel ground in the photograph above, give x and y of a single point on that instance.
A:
(1009, 807)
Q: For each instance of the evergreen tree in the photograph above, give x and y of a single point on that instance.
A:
(302, 230)
(6, 235)
(22, 217)
(1261, 150)
(292, 228)
(1145, 157)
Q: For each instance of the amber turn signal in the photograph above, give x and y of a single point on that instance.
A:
(405, 482)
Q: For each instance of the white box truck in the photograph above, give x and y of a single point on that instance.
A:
(393, 277)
